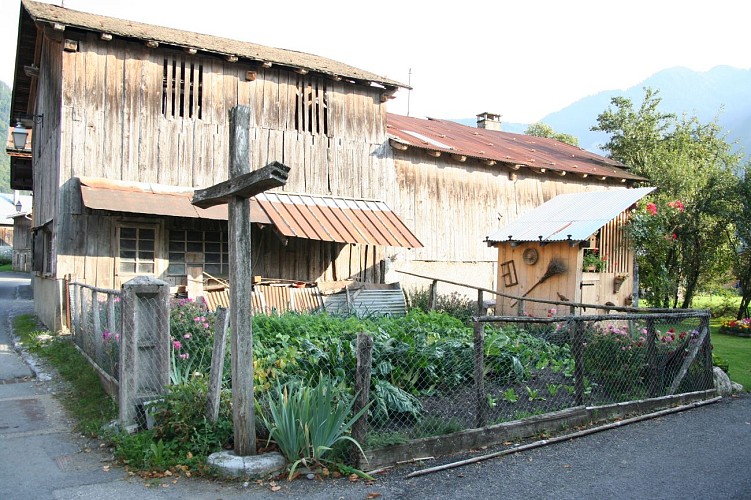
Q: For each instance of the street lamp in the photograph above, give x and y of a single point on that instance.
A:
(18, 206)
(20, 134)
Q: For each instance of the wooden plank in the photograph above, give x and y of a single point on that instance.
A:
(242, 185)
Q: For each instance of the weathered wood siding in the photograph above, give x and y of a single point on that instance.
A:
(453, 206)
(331, 133)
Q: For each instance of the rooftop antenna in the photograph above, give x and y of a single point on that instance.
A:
(409, 91)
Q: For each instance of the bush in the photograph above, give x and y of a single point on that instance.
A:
(6, 255)
(454, 304)
(720, 363)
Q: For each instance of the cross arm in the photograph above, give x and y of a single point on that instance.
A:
(273, 175)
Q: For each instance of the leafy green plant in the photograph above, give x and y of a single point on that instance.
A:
(533, 394)
(306, 422)
(553, 389)
(510, 395)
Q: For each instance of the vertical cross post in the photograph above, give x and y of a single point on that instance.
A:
(236, 193)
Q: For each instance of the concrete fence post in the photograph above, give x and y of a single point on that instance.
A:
(144, 347)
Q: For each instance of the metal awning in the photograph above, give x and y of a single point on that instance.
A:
(574, 216)
(315, 217)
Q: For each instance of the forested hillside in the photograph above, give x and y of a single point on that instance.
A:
(4, 119)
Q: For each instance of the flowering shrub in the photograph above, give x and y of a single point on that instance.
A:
(655, 231)
(616, 358)
(739, 327)
(192, 338)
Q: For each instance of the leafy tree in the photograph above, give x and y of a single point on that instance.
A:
(687, 161)
(742, 243)
(540, 129)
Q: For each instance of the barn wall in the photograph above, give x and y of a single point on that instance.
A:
(21, 244)
(453, 206)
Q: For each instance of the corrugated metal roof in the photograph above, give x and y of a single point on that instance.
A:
(42, 12)
(536, 153)
(315, 217)
(329, 218)
(575, 216)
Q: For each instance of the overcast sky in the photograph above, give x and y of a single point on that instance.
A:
(522, 59)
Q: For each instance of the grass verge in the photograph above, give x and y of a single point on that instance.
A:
(84, 398)
(6, 268)
(736, 351)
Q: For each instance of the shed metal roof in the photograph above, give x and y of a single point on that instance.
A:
(536, 153)
(314, 217)
(574, 216)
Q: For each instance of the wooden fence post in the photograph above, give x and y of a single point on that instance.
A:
(433, 295)
(97, 327)
(362, 388)
(217, 364)
(651, 361)
(577, 350)
(481, 404)
(480, 304)
(144, 346)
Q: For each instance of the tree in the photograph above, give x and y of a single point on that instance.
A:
(687, 161)
(540, 129)
(742, 243)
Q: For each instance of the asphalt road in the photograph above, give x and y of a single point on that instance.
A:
(703, 453)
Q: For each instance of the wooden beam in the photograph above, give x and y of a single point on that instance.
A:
(250, 76)
(562, 173)
(191, 51)
(459, 158)
(58, 26)
(515, 167)
(152, 44)
(247, 185)
(398, 145)
(70, 45)
(301, 71)
(231, 58)
(489, 163)
(434, 154)
(107, 37)
(267, 64)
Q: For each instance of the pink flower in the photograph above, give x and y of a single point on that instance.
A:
(677, 204)
(184, 355)
(652, 208)
(106, 335)
(186, 336)
(176, 344)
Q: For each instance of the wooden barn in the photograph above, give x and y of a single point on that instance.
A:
(123, 111)
(458, 183)
(572, 248)
(128, 119)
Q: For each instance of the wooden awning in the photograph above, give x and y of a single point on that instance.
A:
(314, 217)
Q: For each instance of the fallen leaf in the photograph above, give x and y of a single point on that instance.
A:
(373, 494)
(354, 477)
(337, 474)
(275, 488)
(106, 468)
(168, 472)
(507, 443)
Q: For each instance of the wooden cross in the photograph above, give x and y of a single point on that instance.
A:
(235, 192)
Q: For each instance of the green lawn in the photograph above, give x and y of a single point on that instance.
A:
(6, 267)
(736, 351)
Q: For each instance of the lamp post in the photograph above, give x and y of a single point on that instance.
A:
(18, 206)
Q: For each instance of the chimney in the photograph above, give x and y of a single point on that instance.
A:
(489, 121)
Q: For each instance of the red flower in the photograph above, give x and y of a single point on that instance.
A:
(677, 204)
(652, 208)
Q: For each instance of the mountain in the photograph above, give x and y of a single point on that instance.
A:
(722, 92)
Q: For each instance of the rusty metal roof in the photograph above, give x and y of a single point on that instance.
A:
(53, 14)
(574, 216)
(315, 217)
(539, 154)
(329, 218)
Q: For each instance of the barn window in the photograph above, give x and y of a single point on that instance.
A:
(311, 106)
(137, 249)
(208, 249)
(41, 249)
(182, 88)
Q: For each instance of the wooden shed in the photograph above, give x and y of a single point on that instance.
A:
(542, 254)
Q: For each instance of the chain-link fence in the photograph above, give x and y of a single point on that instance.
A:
(516, 367)
(95, 323)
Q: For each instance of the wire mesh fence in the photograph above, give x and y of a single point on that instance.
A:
(96, 324)
(516, 367)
